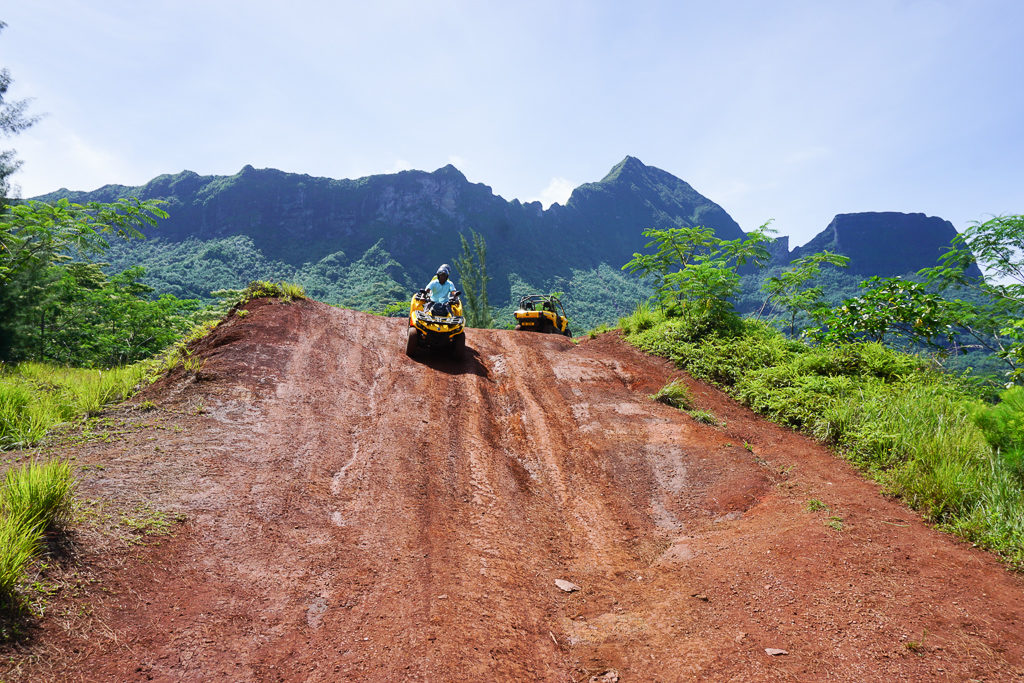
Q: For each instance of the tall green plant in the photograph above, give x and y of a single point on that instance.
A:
(695, 271)
(37, 238)
(995, 318)
(472, 266)
(790, 291)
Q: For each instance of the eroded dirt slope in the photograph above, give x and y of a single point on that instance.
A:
(351, 514)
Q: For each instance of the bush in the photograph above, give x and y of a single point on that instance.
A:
(644, 317)
(923, 434)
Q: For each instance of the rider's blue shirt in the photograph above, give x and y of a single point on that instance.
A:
(438, 292)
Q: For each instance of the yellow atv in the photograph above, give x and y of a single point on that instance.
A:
(436, 326)
(542, 313)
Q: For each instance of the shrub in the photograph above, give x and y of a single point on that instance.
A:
(923, 434)
(643, 317)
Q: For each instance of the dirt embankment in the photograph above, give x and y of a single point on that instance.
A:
(351, 514)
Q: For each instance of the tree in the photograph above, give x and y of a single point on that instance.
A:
(472, 267)
(995, 316)
(13, 120)
(89, 320)
(789, 290)
(891, 308)
(37, 238)
(695, 271)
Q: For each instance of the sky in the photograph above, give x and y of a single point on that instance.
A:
(790, 111)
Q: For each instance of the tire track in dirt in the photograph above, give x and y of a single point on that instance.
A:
(357, 515)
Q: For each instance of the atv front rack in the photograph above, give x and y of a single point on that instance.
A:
(453, 320)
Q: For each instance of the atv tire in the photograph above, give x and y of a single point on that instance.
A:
(567, 333)
(459, 345)
(412, 342)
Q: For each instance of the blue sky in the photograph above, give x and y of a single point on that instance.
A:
(788, 110)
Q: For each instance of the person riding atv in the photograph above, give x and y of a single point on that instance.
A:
(440, 289)
(435, 317)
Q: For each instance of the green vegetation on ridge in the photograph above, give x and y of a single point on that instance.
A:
(928, 436)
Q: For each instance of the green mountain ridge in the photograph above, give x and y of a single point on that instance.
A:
(368, 241)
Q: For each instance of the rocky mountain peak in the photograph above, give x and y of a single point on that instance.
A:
(884, 242)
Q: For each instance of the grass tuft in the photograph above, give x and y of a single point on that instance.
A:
(644, 317)
(35, 498)
(705, 417)
(675, 394)
(259, 289)
(39, 494)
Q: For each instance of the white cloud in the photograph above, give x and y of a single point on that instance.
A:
(56, 156)
(557, 191)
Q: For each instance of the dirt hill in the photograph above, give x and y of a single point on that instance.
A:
(351, 514)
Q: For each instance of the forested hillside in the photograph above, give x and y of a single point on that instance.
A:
(366, 243)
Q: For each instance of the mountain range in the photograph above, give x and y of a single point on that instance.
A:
(396, 228)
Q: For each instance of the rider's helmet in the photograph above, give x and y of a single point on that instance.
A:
(444, 269)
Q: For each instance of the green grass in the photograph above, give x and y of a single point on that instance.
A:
(19, 543)
(925, 435)
(675, 394)
(41, 495)
(705, 417)
(644, 317)
(258, 289)
(599, 330)
(179, 354)
(36, 397)
(35, 498)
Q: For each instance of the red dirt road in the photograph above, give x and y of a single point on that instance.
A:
(351, 514)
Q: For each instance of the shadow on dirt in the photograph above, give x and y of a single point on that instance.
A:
(469, 364)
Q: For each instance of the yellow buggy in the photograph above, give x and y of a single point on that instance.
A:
(542, 313)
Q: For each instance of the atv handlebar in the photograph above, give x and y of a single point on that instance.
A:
(425, 293)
